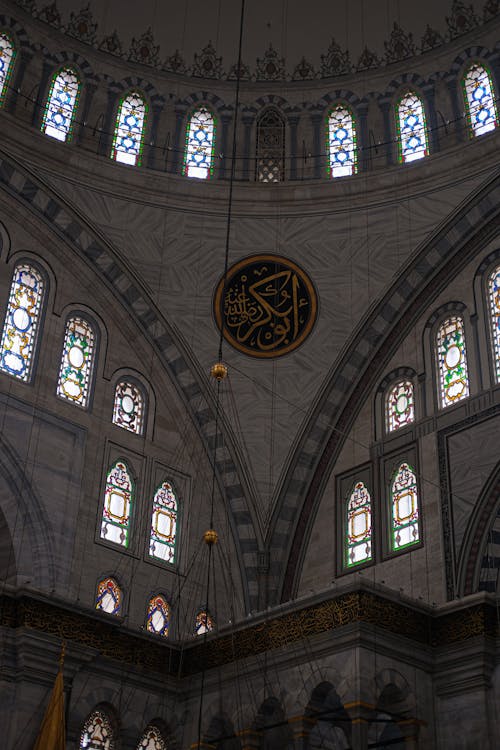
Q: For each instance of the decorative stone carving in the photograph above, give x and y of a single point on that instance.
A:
(491, 8)
(271, 67)
(431, 39)
(367, 60)
(207, 64)
(144, 50)
(175, 63)
(400, 45)
(303, 71)
(336, 62)
(82, 25)
(461, 20)
(112, 44)
(245, 74)
(50, 14)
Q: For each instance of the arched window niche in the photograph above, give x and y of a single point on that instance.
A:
(200, 144)
(399, 405)
(203, 622)
(109, 596)
(99, 730)
(270, 146)
(451, 361)
(358, 526)
(8, 54)
(129, 405)
(341, 141)
(22, 321)
(404, 508)
(153, 738)
(479, 96)
(77, 360)
(163, 535)
(61, 104)
(128, 137)
(411, 127)
(119, 498)
(493, 302)
(158, 615)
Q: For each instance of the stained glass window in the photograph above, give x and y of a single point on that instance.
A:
(204, 623)
(118, 501)
(152, 740)
(128, 410)
(158, 616)
(109, 597)
(61, 105)
(481, 107)
(412, 129)
(359, 526)
(341, 141)
(404, 502)
(271, 147)
(77, 358)
(22, 320)
(128, 140)
(494, 298)
(199, 151)
(400, 406)
(7, 58)
(452, 361)
(163, 534)
(97, 733)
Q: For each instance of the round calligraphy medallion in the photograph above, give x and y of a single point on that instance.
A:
(268, 306)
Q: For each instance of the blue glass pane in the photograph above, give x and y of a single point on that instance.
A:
(480, 100)
(129, 130)
(61, 103)
(198, 160)
(412, 128)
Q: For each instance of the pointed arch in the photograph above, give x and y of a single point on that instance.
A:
(203, 622)
(479, 96)
(61, 104)
(341, 141)
(494, 316)
(399, 405)
(118, 504)
(8, 54)
(158, 615)
(22, 321)
(129, 407)
(270, 146)
(404, 510)
(98, 731)
(109, 597)
(411, 128)
(164, 523)
(358, 521)
(128, 137)
(200, 144)
(453, 378)
(77, 361)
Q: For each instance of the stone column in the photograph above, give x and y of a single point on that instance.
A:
(318, 151)
(12, 100)
(363, 139)
(301, 727)
(387, 109)
(293, 122)
(43, 87)
(432, 121)
(178, 144)
(250, 739)
(108, 124)
(457, 108)
(151, 151)
(82, 112)
(248, 119)
(361, 714)
(222, 143)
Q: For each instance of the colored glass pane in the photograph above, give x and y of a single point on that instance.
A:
(162, 541)
(76, 362)
(452, 361)
(152, 740)
(128, 140)
(61, 105)
(204, 623)
(341, 140)
(359, 526)
(22, 319)
(481, 106)
(199, 151)
(494, 298)
(404, 502)
(97, 733)
(109, 597)
(118, 501)
(128, 410)
(271, 147)
(412, 130)
(400, 406)
(7, 57)
(158, 616)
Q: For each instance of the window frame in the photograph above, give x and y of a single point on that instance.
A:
(15, 49)
(258, 119)
(390, 464)
(481, 63)
(96, 329)
(192, 111)
(339, 104)
(168, 600)
(402, 95)
(52, 79)
(124, 377)
(344, 484)
(137, 91)
(114, 577)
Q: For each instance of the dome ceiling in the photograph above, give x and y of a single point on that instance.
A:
(282, 38)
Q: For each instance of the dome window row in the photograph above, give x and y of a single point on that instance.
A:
(109, 599)
(342, 138)
(99, 732)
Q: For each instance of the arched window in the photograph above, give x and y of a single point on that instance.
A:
(452, 361)
(97, 732)
(494, 300)
(118, 502)
(7, 58)
(199, 150)
(128, 140)
(400, 405)
(128, 409)
(341, 142)
(77, 361)
(22, 320)
(163, 535)
(270, 147)
(109, 597)
(61, 105)
(359, 526)
(152, 739)
(203, 623)
(404, 508)
(412, 129)
(158, 616)
(479, 99)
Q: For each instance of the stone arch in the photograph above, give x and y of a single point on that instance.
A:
(204, 97)
(18, 31)
(130, 83)
(391, 711)
(380, 401)
(272, 724)
(407, 80)
(221, 733)
(72, 59)
(332, 724)
(108, 709)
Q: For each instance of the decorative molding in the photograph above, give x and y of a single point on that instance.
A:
(207, 64)
(143, 49)
(271, 67)
(83, 26)
(336, 62)
(400, 45)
